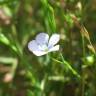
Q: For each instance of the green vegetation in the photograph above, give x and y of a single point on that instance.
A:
(71, 71)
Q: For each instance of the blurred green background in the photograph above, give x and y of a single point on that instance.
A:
(68, 72)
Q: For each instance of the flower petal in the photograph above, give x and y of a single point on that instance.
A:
(42, 38)
(54, 39)
(54, 48)
(33, 47)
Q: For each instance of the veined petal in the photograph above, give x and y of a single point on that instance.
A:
(42, 38)
(33, 47)
(54, 48)
(54, 39)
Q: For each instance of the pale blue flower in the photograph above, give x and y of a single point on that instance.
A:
(43, 45)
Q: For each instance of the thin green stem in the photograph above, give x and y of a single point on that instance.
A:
(82, 70)
(69, 66)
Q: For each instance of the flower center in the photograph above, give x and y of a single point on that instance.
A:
(43, 47)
